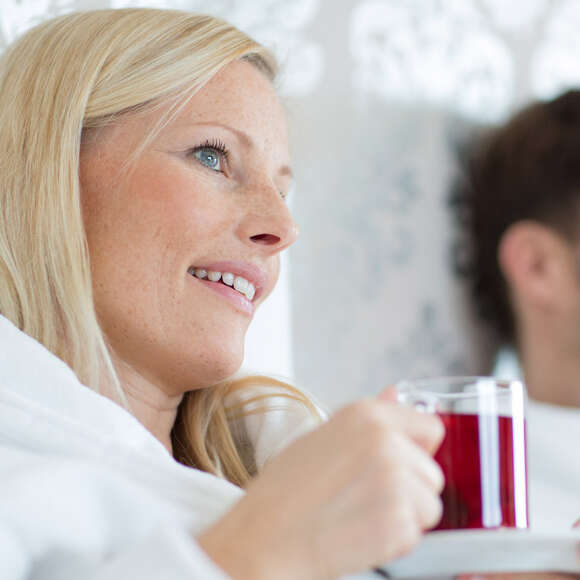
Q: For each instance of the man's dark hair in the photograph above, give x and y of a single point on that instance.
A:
(526, 169)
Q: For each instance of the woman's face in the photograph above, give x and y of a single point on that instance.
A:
(203, 207)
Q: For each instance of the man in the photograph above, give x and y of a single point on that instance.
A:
(519, 201)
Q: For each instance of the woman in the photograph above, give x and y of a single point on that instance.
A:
(144, 169)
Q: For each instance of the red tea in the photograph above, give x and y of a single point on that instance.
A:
(485, 472)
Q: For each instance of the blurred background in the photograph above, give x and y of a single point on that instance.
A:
(381, 94)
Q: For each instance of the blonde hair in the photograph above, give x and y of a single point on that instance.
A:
(59, 81)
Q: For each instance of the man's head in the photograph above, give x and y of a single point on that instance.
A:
(520, 200)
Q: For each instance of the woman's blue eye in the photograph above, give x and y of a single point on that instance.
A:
(209, 157)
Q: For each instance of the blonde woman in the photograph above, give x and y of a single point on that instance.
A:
(143, 173)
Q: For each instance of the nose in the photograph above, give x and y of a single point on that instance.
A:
(269, 224)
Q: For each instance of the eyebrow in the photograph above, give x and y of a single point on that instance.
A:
(284, 171)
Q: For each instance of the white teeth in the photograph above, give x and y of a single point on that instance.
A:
(240, 284)
(228, 278)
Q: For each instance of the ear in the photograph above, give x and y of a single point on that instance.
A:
(537, 263)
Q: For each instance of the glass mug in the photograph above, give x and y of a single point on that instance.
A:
(483, 454)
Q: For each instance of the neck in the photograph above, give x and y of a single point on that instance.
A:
(551, 369)
(149, 403)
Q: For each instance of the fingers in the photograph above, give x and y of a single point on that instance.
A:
(357, 491)
(420, 463)
(393, 508)
(398, 434)
(428, 506)
(427, 433)
(425, 429)
(419, 481)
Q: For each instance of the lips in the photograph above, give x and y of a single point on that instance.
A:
(236, 276)
(239, 283)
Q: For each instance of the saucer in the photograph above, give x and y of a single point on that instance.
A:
(443, 553)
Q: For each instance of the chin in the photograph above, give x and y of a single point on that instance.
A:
(218, 365)
(226, 370)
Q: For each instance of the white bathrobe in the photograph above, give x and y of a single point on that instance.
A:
(86, 492)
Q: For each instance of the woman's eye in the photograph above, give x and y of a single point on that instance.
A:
(210, 157)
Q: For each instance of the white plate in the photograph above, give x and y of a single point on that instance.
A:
(446, 553)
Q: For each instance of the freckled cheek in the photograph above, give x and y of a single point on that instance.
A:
(186, 215)
(123, 232)
(160, 218)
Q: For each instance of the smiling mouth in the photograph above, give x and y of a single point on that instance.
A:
(238, 283)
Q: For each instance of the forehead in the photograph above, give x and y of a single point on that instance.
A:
(240, 96)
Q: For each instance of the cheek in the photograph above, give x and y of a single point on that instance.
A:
(126, 216)
(144, 233)
(172, 219)
(123, 226)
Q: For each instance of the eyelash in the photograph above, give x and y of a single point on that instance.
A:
(223, 151)
(215, 144)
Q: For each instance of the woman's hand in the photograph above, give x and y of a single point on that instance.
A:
(353, 494)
